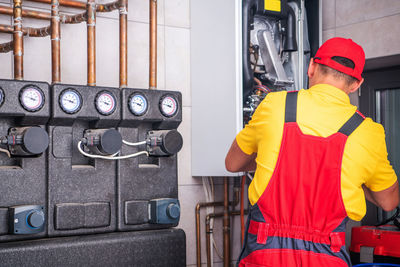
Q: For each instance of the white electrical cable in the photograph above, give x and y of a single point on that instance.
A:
(5, 151)
(208, 186)
(209, 198)
(110, 157)
(133, 144)
(212, 235)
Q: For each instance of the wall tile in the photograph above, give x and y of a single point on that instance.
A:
(139, 11)
(378, 37)
(107, 52)
(349, 12)
(138, 56)
(327, 34)
(6, 58)
(177, 13)
(37, 54)
(328, 14)
(74, 54)
(177, 61)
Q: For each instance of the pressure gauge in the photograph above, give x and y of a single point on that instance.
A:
(105, 103)
(137, 104)
(31, 98)
(70, 101)
(168, 105)
(1, 96)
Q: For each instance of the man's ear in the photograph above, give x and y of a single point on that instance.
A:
(355, 85)
(311, 68)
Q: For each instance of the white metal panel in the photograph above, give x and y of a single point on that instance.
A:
(216, 82)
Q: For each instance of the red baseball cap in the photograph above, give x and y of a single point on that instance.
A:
(343, 48)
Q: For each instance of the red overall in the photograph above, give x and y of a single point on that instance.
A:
(300, 218)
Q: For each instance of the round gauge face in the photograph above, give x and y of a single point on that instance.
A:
(1, 96)
(31, 98)
(168, 106)
(105, 103)
(70, 101)
(137, 104)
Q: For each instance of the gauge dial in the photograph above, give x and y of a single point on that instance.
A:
(168, 106)
(31, 98)
(105, 103)
(70, 101)
(1, 96)
(137, 104)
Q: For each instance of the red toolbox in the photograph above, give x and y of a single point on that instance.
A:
(383, 242)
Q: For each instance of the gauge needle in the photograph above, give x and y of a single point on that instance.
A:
(138, 104)
(32, 98)
(70, 101)
(170, 106)
(106, 103)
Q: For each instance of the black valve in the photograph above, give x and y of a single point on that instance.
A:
(26, 219)
(26, 141)
(164, 142)
(164, 211)
(103, 141)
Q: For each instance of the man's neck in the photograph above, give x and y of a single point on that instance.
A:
(331, 81)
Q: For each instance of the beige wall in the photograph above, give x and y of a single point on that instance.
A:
(374, 24)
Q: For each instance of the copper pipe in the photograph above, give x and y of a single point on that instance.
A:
(123, 44)
(37, 32)
(242, 230)
(5, 10)
(198, 236)
(55, 42)
(32, 32)
(18, 41)
(210, 230)
(6, 28)
(82, 5)
(73, 19)
(153, 45)
(65, 19)
(111, 6)
(68, 3)
(91, 43)
(197, 212)
(226, 224)
(6, 47)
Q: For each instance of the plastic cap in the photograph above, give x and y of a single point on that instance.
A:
(341, 47)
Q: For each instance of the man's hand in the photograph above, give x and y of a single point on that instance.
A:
(387, 199)
(238, 161)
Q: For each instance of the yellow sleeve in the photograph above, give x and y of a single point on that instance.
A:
(247, 138)
(270, 113)
(383, 175)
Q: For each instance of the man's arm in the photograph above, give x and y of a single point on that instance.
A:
(387, 199)
(236, 160)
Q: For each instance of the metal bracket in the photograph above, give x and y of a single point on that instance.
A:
(273, 65)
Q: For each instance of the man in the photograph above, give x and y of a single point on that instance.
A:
(316, 159)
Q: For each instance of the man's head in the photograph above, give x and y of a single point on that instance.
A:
(338, 62)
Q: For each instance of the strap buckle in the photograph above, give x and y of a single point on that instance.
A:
(337, 241)
(262, 233)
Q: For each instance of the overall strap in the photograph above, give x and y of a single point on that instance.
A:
(291, 106)
(351, 124)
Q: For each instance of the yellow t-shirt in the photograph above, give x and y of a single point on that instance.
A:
(321, 111)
